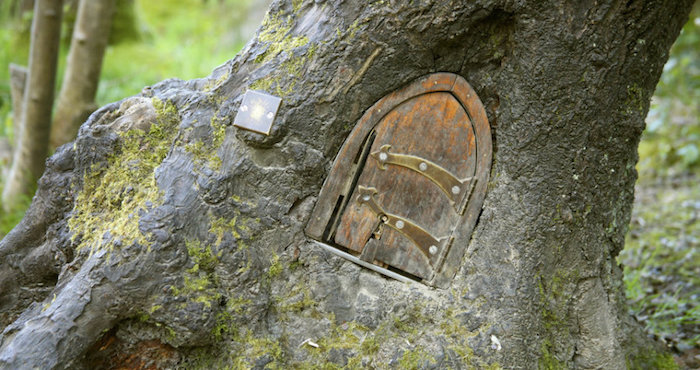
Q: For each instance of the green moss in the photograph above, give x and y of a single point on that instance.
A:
(296, 300)
(221, 226)
(292, 69)
(207, 152)
(277, 34)
(554, 296)
(212, 84)
(275, 268)
(223, 325)
(106, 212)
(547, 360)
(651, 360)
(252, 348)
(203, 257)
(457, 336)
(199, 281)
(285, 80)
(415, 359)
(356, 338)
(296, 5)
(635, 100)
(226, 319)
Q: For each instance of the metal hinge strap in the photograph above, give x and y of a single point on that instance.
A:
(427, 243)
(454, 188)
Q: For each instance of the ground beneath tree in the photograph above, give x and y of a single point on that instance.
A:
(662, 263)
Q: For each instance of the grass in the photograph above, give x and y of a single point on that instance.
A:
(662, 261)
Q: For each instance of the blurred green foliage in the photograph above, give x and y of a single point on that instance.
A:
(671, 143)
(150, 41)
(184, 39)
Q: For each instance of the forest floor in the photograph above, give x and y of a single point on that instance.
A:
(661, 262)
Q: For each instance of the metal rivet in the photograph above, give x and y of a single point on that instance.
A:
(270, 115)
(399, 224)
(383, 157)
(423, 166)
(244, 108)
(432, 249)
(455, 189)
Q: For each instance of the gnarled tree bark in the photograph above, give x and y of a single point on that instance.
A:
(174, 238)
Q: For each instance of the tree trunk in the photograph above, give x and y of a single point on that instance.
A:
(166, 236)
(19, 7)
(77, 97)
(18, 84)
(33, 136)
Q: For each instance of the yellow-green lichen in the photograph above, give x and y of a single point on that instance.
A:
(203, 257)
(415, 359)
(652, 360)
(239, 227)
(155, 308)
(220, 226)
(277, 34)
(296, 300)
(290, 72)
(206, 152)
(554, 297)
(296, 5)
(226, 319)
(199, 281)
(106, 212)
(252, 347)
(635, 100)
(364, 345)
(547, 360)
(457, 336)
(351, 336)
(212, 84)
(275, 268)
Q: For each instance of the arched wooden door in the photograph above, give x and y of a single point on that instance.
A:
(406, 181)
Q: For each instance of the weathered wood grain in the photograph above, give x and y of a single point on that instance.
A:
(427, 119)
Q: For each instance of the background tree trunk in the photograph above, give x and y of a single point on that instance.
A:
(33, 137)
(82, 76)
(18, 81)
(18, 84)
(176, 239)
(19, 7)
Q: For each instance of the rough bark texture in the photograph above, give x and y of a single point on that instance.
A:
(77, 97)
(33, 136)
(173, 238)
